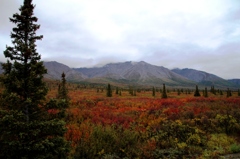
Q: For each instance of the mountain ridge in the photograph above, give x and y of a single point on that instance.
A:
(202, 77)
(139, 72)
(196, 75)
(55, 69)
(136, 73)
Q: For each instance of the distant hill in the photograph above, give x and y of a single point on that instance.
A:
(203, 78)
(55, 70)
(135, 72)
(235, 81)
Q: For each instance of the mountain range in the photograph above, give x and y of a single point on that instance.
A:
(137, 73)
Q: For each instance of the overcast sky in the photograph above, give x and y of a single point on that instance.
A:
(198, 34)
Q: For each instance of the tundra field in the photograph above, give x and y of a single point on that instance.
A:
(141, 125)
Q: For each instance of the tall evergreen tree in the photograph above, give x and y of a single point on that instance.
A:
(196, 93)
(109, 91)
(62, 89)
(164, 93)
(27, 128)
(63, 98)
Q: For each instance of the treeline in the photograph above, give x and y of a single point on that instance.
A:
(133, 91)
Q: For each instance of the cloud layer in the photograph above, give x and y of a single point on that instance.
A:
(200, 34)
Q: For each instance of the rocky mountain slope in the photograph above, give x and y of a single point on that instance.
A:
(235, 81)
(55, 70)
(202, 77)
(138, 72)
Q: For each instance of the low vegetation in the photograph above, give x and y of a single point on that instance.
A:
(145, 126)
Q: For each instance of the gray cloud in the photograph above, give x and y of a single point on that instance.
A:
(7, 8)
(198, 34)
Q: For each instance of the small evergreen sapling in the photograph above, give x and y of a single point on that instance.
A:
(153, 91)
(117, 91)
(178, 91)
(229, 93)
(164, 93)
(196, 93)
(205, 94)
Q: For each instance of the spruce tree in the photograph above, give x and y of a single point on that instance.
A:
(63, 98)
(153, 91)
(178, 91)
(109, 91)
(196, 93)
(134, 92)
(62, 89)
(130, 90)
(229, 93)
(164, 93)
(205, 94)
(213, 91)
(27, 128)
(221, 92)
